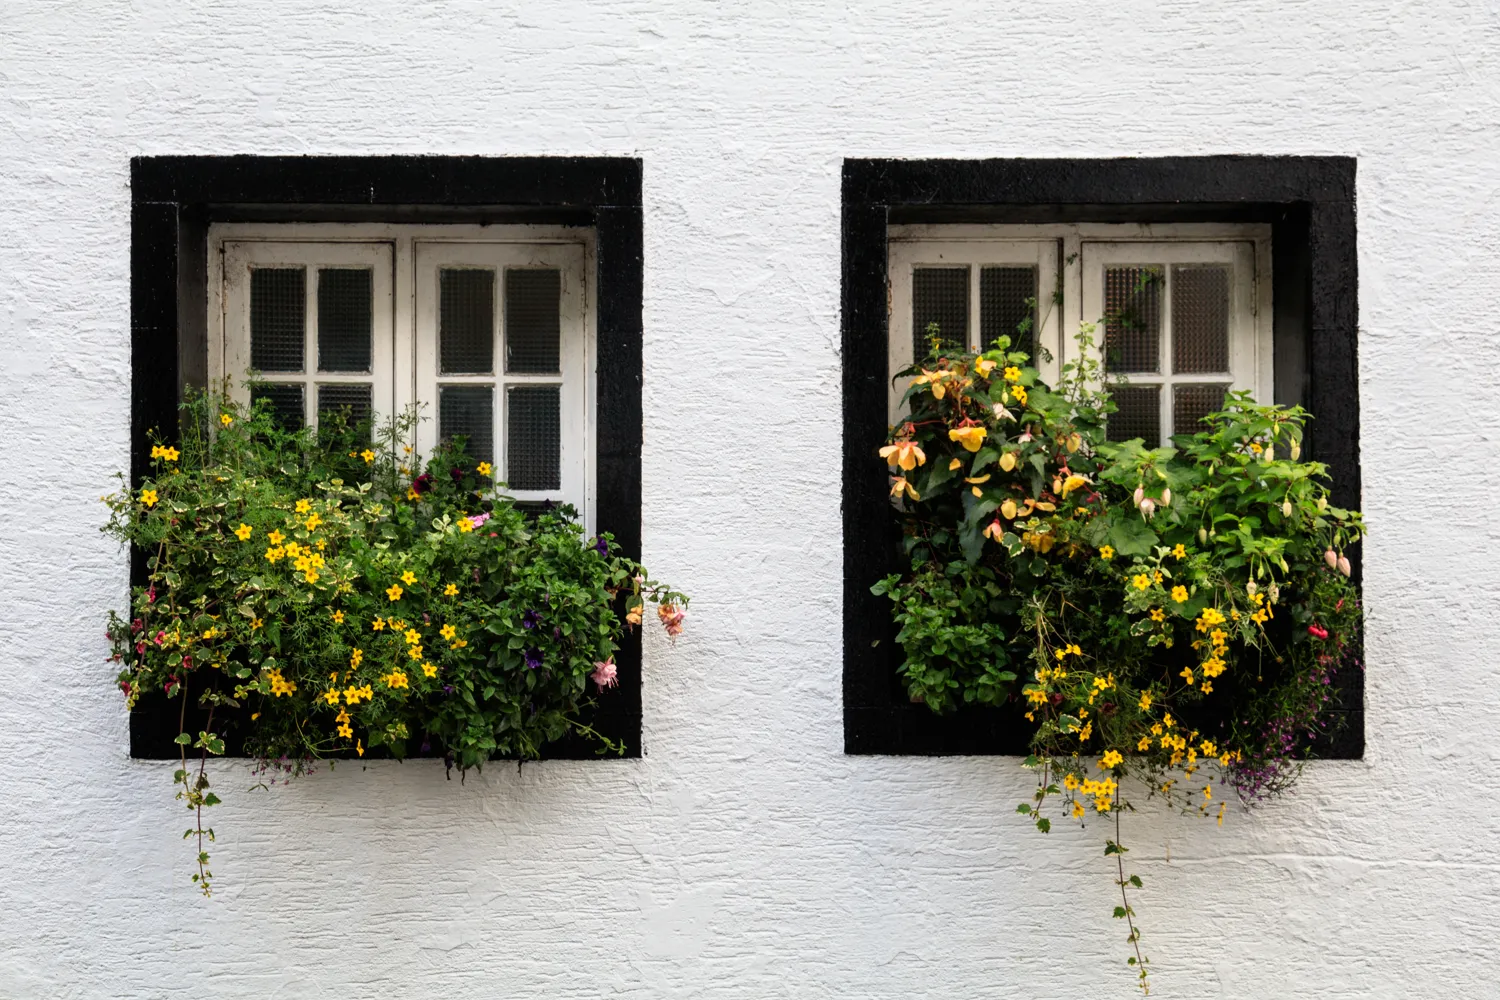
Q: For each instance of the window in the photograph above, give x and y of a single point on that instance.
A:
(1209, 272)
(488, 332)
(336, 278)
(1184, 310)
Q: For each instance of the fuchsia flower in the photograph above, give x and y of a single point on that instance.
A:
(671, 616)
(605, 673)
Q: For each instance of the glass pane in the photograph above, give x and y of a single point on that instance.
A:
(466, 322)
(1200, 319)
(278, 311)
(1138, 416)
(533, 446)
(1190, 403)
(939, 295)
(532, 326)
(345, 306)
(286, 404)
(468, 411)
(1132, 319)
(1003, 306)
(351, 400)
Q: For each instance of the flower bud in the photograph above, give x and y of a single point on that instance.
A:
(1148, 508)
(1274, 592)
(1008, 461)
(1344, 566)
(1322, 504)
(1251, 588)
(1075, 441)
(1166, 497)
(1268, 454)
(1286, 508)
(1296, 450)
(1331, 558)
(1202, 536)
(1056, 485)
(1140, 494)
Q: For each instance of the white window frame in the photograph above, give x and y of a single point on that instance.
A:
(1081, 250)
(413, 380)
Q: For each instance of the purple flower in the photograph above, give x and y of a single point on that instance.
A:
(422, 483)
(447, 689)
(530, 619)
(601, 547)
(533, 658)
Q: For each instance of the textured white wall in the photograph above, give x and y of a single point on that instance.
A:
(745, 856)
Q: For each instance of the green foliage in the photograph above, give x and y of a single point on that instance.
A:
(347, 602)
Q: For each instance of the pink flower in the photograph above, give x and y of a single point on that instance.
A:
(478, 519)
(671, 617)
(151, 594)
(604, 673)
(161, 637)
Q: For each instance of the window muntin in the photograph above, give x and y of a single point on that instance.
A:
(487, 329)
(975, 289)
(1184, 310)
(1179, 327)
(314, 320)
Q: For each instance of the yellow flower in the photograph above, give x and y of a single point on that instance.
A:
(412, 637)
(905, 454)
(393, 592)
(346, 730)
(338, 616)
(311, 576)
(331, 696)
(1111, 758)
(367, 455)
(243, 532)
(459, 644)
(1072, 483)
(1157, 615)
(1145, 701)
(303, 506)
(465, 525)
(1011, 374)
(148, 497)
(1106, 552)
(429, 669)
(356, 658)
(275, 538)
(484, 468)
(1140, 581)
(899, 483)
(256, 623)
(1179, 594)
(159, 451)
(932, 379)
(395, 679)
(1187, 674)
(408, 578)
(447, 632)
(1019, 392)
(359, 747)
(451, 590)
(225, 419)
(955, 464)
(1144, 744)
(984, 366)
(1077, 810)
(378, 623)
(415, 652)
(1179, 551)
(412, 494)
(313, 522)
(971, 437)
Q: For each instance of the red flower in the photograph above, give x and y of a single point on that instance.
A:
(1317, 630)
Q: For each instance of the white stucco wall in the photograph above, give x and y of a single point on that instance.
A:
(745, 856)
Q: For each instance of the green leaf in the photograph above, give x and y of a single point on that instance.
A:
(183, 738)
(1119, 913)
(1129, 534)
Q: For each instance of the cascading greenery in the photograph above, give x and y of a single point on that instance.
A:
(1174, 616)
(346, 600)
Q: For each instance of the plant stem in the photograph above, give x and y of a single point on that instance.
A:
(1135, 938)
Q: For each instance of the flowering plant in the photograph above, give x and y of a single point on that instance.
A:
(1167, 615)
(348, 603)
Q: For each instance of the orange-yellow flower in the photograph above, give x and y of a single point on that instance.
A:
(971, 437)
(905, 454)
(899, 483)
(932, 379)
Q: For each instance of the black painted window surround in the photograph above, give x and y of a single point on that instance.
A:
(175, 198)
(1309, 202)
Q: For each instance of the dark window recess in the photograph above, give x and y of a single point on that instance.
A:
(1138, 416)
(533, 325)
(175, 198)
(1007, 305)
(466, 321)
(287, 407)
(1309, 204)
(939, 308)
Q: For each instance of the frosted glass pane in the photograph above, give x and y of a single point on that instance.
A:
(353, 399)
(345, 304)
(532, 324)
(1132, 319)
(1003, 306)
(466, 321)
(1200, 319)
(533, 447)
(278, 311)
(1138, 416)
(1190, 403)
(939, 295)
(468, 411)
(286, 404)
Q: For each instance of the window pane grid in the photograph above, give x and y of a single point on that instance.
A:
(939, 295)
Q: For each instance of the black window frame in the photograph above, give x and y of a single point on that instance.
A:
(175, 198)
(1309, 202)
